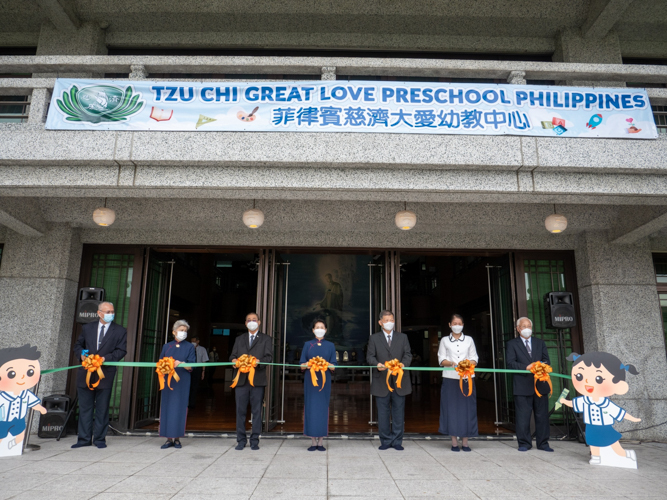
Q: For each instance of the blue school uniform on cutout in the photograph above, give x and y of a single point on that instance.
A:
(13, 410)
(599, 419)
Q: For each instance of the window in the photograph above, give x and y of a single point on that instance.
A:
(660, 265)
(14, 108)
(660, 115)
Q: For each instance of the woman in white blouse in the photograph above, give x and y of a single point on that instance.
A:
(458, 413)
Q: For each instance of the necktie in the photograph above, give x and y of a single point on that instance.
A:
(252, 339)
(389, 340)
(530, 351)
(99, 343)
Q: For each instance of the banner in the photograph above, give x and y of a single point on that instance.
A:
(352, 106)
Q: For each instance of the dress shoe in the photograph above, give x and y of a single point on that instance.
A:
(547, 448)
(240, 446)
(523, 448)
(177, 444)
(384, 447)
(321, 448)
(81, 444)
(398, 447)
(254, 447)
(101, 445)
(166, 445)
(312, 448)
(455, 448)
(466, 448)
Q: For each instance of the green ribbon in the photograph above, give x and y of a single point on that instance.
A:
(146, 364)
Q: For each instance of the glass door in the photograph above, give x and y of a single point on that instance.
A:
(502, 308)
(153, 334)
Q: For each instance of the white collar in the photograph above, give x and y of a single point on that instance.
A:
(460, 339)
(388, 334)
(602, 404)
(253, 334)
(8, 396)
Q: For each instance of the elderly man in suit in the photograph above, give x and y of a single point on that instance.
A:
(384, 346)
(523, 351)
(260, 346)
(109, 341)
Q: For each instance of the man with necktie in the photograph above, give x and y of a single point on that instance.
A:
(108, 340)
(522, 351)
(384, 346)
(260, 346)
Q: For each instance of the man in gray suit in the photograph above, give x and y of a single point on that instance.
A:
(382, 347)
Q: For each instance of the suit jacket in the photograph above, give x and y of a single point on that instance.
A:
(113, 348)
(517, 358)
(262, 349)
(379, 352)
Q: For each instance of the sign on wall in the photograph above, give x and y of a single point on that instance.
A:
(357, 106)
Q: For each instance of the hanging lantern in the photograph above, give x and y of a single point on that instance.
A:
(253, 218)
(405, 219)
(104, 216)
(556, 223)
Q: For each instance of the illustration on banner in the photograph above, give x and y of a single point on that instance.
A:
(100, 103)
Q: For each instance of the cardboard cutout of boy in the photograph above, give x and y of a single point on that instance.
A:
(19, 371)
(597, 376)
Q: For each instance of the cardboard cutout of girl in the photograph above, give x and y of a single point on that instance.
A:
(597, 376)
(19, 371)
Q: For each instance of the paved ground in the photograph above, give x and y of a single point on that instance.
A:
(207, 468)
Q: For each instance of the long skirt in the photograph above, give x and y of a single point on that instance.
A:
(316, 406)
(174, 406)
(458, 413)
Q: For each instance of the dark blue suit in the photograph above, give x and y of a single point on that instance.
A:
(112, 348)
(525, 400)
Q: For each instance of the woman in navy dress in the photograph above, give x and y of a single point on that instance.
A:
(174, 405)
(316, 411)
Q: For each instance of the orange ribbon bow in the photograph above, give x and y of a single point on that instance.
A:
(394, 368)
(93, 364)
(318, 364)
(541, 372)
(166, 367)
(465, 368)
(245, 364)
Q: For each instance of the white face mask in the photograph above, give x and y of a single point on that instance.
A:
(180, 335)
(388, 326)
(457, 328)
(319, 332)
(252, 326)
(526, 333)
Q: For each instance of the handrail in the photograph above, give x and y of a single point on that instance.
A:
(443, 68)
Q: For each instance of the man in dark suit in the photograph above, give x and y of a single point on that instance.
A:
(108, 340)
(261, 346)
(522, 351)
(384, 346)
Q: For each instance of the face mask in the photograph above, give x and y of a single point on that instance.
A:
(252, 326)
(457, 328)
(526, 333)
(388, 326)
(108, 318)
(319, 332)
(180, 335)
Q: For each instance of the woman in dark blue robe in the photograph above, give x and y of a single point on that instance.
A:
(316, 411)
(174, 405)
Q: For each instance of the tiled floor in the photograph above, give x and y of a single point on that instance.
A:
(207, 468)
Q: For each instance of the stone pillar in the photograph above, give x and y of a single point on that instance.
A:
(571, 47)
(38, 288)
(620, 314)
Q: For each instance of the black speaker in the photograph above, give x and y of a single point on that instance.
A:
(89, 300)
(559, 310)
(52, 422)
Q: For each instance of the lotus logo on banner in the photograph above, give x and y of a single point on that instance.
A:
(100, 103)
